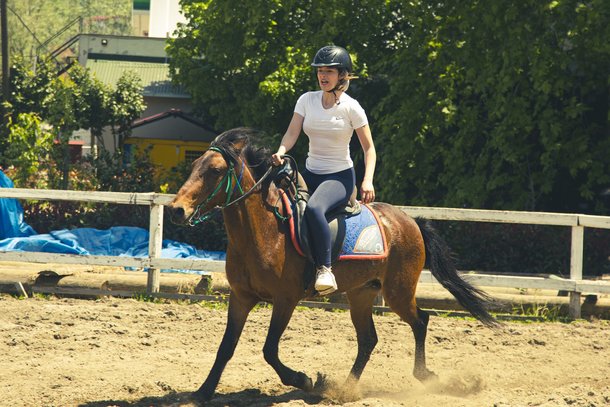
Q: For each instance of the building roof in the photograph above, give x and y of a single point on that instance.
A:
(155, 76)
(171, 113)
(172, 124)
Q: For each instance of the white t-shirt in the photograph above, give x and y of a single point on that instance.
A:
(329, 131)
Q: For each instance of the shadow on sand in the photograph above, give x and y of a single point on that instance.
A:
(250, 398)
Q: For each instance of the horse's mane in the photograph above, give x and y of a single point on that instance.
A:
(256, 157)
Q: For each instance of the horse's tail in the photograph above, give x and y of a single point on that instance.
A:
(443, 269)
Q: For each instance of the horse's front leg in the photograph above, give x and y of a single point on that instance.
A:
(361, 310)
(282, 312)
(239, 308)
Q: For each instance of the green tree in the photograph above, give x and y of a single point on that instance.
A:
(245, 62)
(76, 101)
(63, 115)
(127, 104)
(31, 91)
(507, 107)
(482, 103)
(29, 148)
(93, 103)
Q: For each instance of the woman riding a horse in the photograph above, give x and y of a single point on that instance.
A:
(329, 117)
(262, 264)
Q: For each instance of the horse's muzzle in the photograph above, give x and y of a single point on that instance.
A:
(177, 214)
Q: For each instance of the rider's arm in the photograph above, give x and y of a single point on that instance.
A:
(290, 138)
(367, 191)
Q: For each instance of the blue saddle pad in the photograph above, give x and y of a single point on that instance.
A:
(364, 238)
(360, 236)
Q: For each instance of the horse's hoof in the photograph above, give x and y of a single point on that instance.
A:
(202, 395)
(425, 376)
(303, 382)
(322, 384)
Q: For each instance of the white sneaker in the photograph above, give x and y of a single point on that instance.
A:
(325, 281)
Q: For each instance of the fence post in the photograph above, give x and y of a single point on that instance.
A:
(379, 301)
(576, 260)
(155, 241)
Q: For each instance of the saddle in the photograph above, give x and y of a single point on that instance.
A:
(295, 196)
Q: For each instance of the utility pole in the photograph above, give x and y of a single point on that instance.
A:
(4, 38)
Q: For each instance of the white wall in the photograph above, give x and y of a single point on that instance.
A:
(164, 17)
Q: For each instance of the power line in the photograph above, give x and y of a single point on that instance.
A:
(24, 24)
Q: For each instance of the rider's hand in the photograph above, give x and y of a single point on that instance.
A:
(367, 192)
(276, 159)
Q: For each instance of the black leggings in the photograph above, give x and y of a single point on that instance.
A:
(328, 191)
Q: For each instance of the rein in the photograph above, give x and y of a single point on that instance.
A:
(198, 217)
(289, 173)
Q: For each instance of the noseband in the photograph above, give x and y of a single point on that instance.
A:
(198, 217)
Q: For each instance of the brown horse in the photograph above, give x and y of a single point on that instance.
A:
(263, 265)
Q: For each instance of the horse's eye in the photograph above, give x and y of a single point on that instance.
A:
(215, 171)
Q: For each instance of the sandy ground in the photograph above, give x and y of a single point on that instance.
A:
(118, 352)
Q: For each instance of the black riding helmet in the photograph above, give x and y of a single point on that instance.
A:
(333, 55)
(336, 57)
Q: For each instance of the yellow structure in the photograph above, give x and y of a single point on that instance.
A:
(169, 153)
(172, 137)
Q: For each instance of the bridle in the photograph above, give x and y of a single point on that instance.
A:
(198, 217)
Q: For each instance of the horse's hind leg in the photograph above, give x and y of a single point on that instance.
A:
(239, 308)
(420, 329)
(399, 293)
(361, 310)
(282, 312)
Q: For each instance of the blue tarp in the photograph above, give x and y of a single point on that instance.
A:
(11, 214)
(17, 235)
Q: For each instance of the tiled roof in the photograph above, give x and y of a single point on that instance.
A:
(155, 76)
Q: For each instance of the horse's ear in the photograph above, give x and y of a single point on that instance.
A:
(239, 146)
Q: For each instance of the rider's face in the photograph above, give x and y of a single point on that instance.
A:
(328, 78)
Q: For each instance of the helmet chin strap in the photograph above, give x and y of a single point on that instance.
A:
(336, 88)
(334, 92)
(336, 97)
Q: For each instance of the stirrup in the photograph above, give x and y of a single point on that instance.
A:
(325, 281)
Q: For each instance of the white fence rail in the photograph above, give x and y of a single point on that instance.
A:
(575, 285)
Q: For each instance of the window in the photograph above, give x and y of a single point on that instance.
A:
(141, 5)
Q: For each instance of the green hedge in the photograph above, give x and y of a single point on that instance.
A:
(523, 249)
